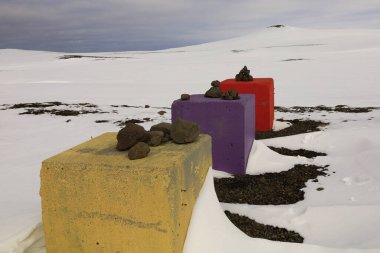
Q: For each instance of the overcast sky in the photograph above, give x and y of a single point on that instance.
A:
(119, 25)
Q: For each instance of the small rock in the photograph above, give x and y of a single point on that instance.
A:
(147, 106)
(231, 95)
(138, 151)
(166, 138)
(215, 83)
(244, 75)
(184, 131)
(155, 141)
(320, 189)
(130, 135)
(185, 97)
(214, 92)
(161, 112)
(156, 133)
(164, 127)
(155, 138)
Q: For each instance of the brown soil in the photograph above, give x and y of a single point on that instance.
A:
(297, 152)
(35, 105)
(122, 123)
(75, 56)
(253, 229)
(59, 112)
(270, 188)
(41, 108)
(338, 108)
(297, 127)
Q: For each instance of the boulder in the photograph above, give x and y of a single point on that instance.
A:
(128, 136)
(155, 138)
(184, 131)
(138, 151)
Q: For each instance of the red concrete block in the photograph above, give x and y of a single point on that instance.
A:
(263, 88)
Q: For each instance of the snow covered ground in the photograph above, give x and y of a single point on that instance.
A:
(310, 67)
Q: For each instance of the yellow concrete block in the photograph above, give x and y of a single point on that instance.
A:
(94, 199)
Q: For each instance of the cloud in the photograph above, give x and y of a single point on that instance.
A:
(114, 25)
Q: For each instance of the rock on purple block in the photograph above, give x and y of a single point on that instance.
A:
(230, 123)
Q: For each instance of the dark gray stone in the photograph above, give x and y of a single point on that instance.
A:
(130, 135)
(155, 138)
(184, 131)
(164, 127)
(231, 95)
(214, 92)
(215, 83)
(138, 151)
(244, 75)
(185, 97)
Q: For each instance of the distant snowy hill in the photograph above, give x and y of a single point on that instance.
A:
(310, 67)
(329, 67)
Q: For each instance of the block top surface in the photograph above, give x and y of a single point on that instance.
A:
(261, 79)
(101, 151)
(200, 98)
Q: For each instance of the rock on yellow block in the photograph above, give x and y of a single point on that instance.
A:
(94, 199)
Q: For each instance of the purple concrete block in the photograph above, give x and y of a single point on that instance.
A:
(230, 123)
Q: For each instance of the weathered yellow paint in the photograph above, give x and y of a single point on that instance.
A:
(94, 199)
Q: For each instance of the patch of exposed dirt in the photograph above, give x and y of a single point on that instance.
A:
(36, 105)
(338, 108)
(59, 112)
(297, 127)
(41, 108)
(297, 152)
(281, 188)
(257, 230)
(122, 123)
(128, 106)
(297, 45)
(276, 26)
(76, 56)
(296, 59)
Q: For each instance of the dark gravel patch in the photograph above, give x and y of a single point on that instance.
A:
(338, 108)
(75, 56)
(145, 106)
(122, 123)
(58, 112)
(296, 59)
(87, 105)
(297, 152)
(238, 51)
(257, 230)
(297, 127)
(43, 108)
(36, 105)
(270, 188)
(276, 26)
